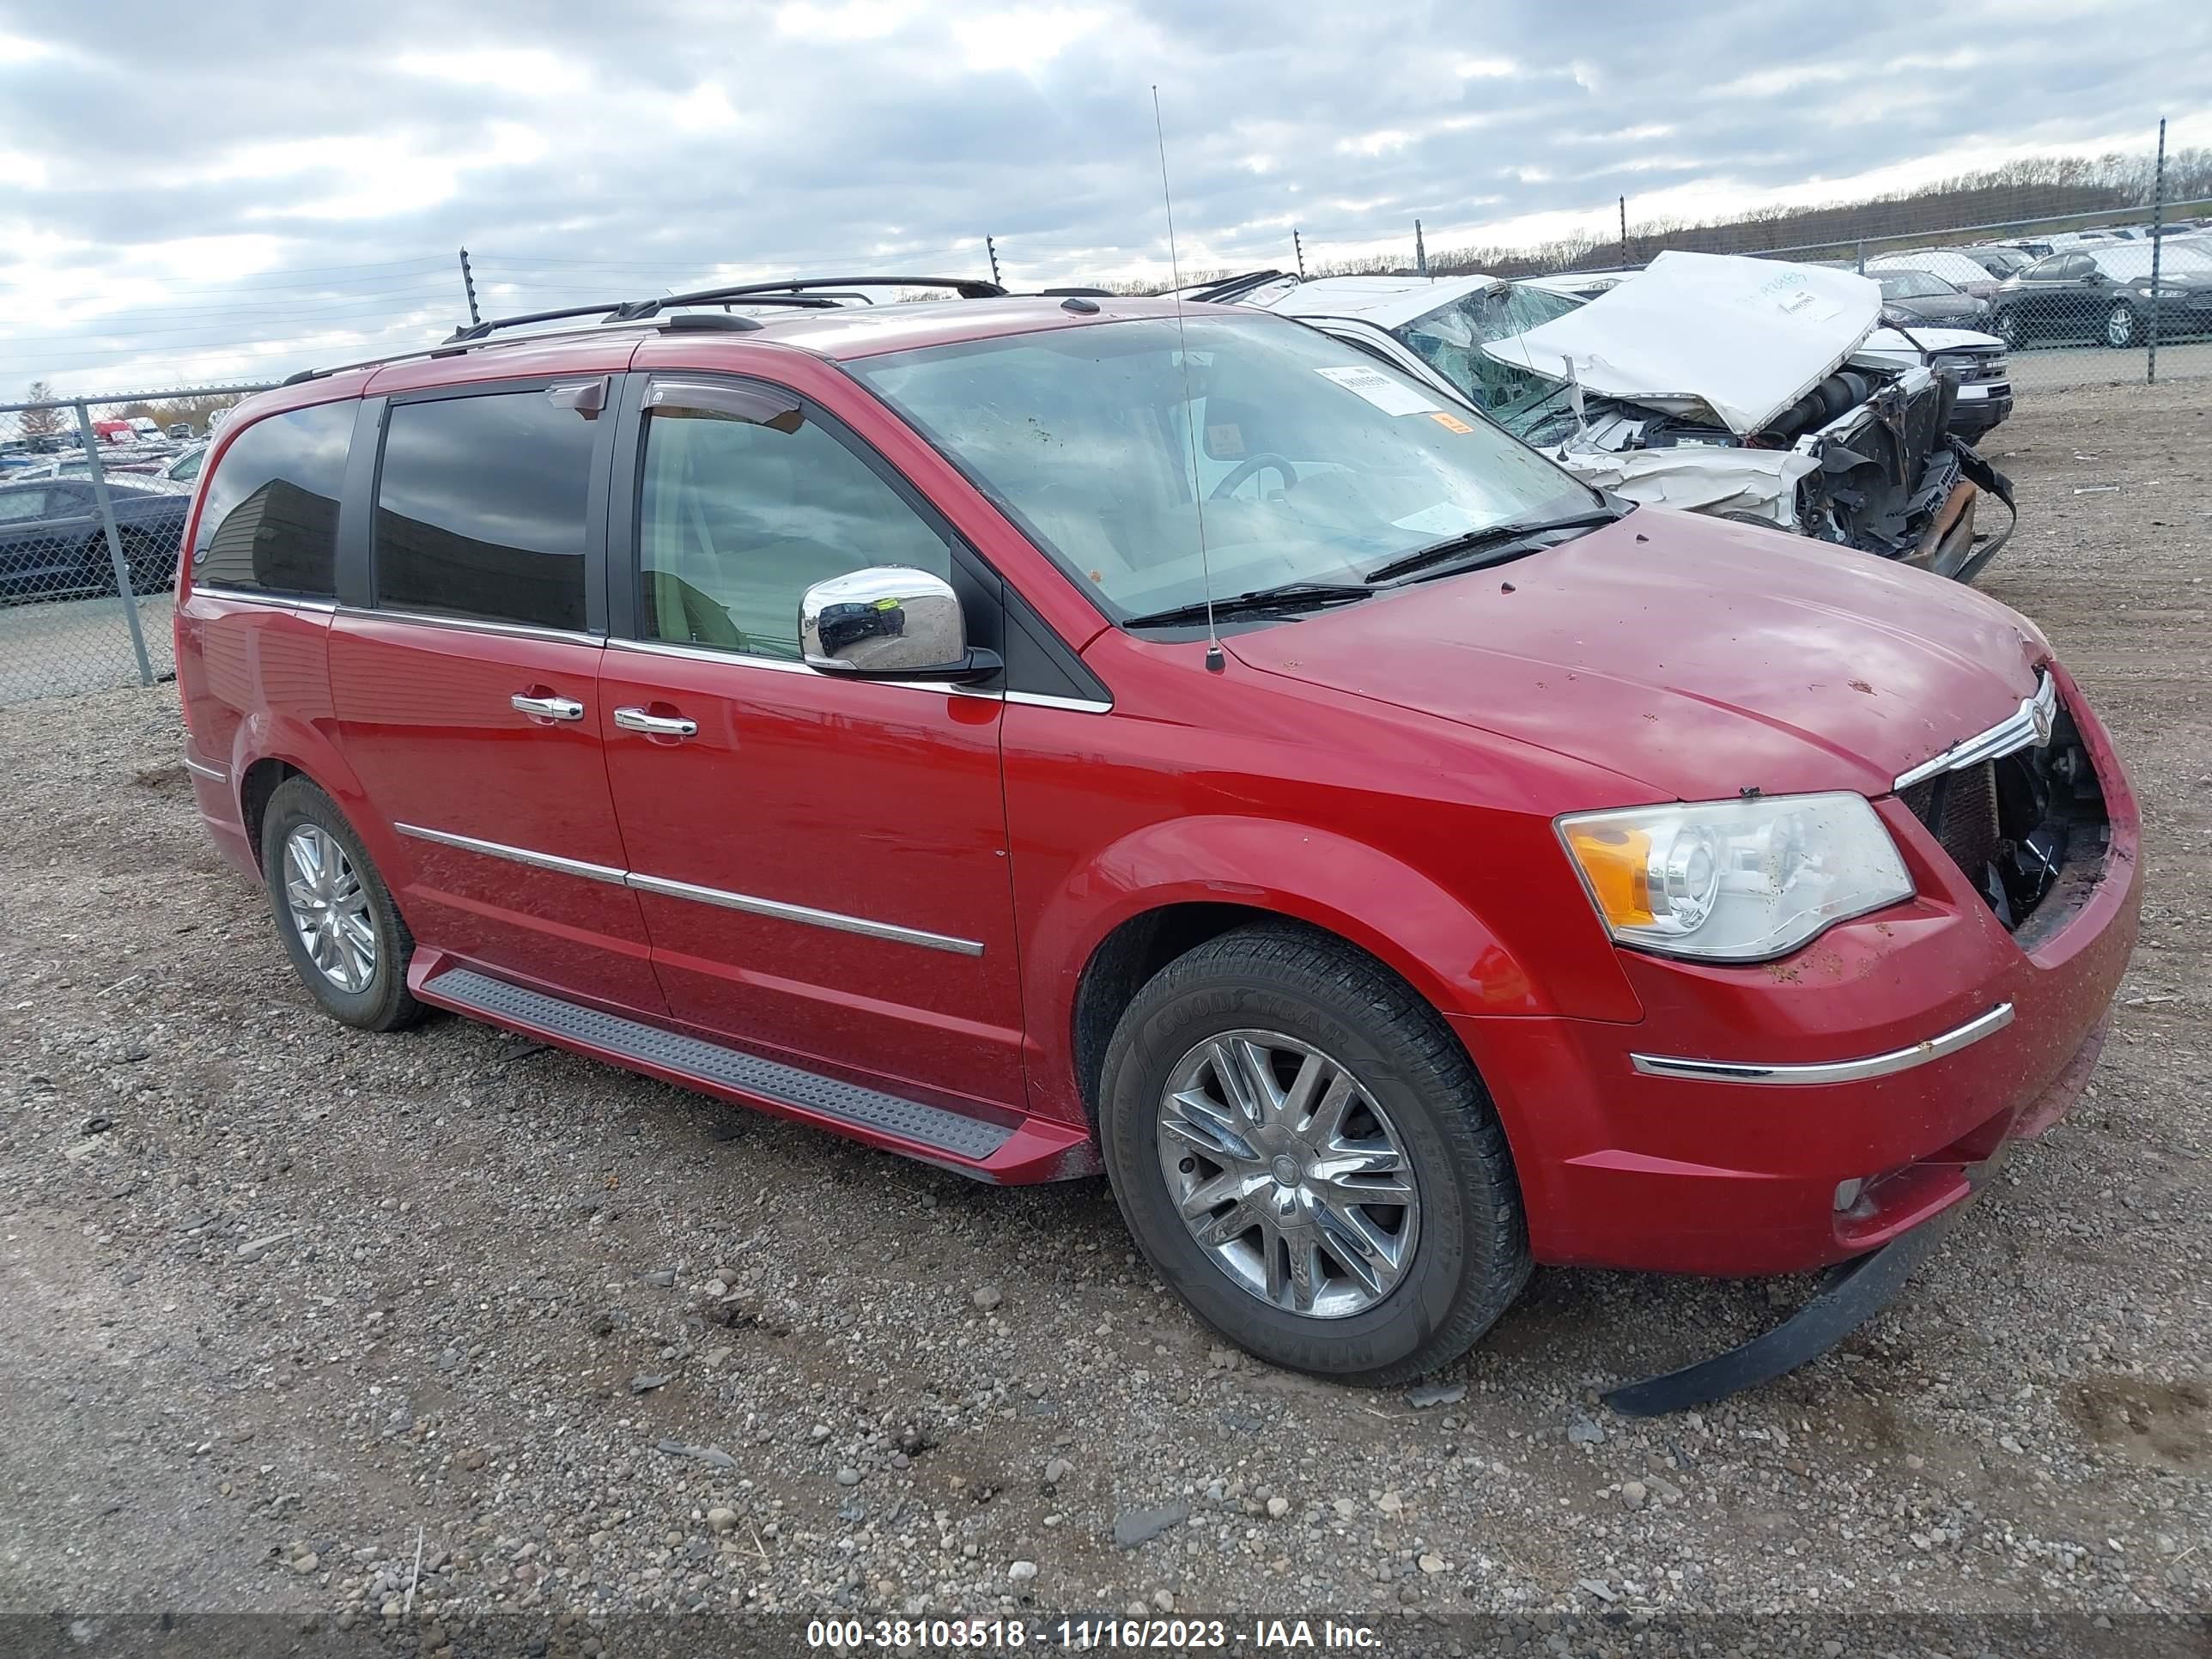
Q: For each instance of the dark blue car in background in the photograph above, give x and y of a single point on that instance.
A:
(53, 546)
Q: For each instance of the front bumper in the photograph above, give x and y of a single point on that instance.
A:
(1630, 1166)
(1981, 410)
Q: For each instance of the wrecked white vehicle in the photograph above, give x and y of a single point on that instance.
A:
(1740, 388)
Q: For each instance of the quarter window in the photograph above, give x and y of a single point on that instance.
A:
(268, 521)
(481, 507)
(741, 510)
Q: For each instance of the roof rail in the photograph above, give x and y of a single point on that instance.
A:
(1232, 289)
(803, 292)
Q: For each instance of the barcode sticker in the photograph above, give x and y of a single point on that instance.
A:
(1391, 397)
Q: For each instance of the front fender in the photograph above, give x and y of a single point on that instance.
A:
(1422, 931)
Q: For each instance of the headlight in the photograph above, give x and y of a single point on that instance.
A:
(2167, 293)
(1734, 880)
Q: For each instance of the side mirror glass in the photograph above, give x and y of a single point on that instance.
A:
(888, 622)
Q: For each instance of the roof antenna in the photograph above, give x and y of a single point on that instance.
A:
(1215, 662)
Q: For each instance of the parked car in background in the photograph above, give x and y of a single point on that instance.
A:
(2105, 293)
(53, 545)
(186, 465)
(977, 729)
(1720, 384)
(1917, 296)
(1952, 265)
(118, 461)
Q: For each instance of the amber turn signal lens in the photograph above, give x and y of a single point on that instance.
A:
(1617, 863)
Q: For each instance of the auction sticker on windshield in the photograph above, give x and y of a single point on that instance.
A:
(1391, 397)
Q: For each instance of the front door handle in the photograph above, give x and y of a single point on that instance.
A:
(550, 708)
(656, 725)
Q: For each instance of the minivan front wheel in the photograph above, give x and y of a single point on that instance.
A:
(334, 915)
(1303, 1151)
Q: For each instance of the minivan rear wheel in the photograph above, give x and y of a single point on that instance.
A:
(1304, 1153)
(334, 915)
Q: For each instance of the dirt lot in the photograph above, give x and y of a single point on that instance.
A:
(283, 1298)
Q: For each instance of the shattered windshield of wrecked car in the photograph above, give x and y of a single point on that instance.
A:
(1451, 338)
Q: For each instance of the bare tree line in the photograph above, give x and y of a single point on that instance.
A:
(2058, 192)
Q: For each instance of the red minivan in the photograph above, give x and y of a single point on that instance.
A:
(819, 706)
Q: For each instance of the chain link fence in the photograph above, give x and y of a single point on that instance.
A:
(93, 498)
(2087, 300)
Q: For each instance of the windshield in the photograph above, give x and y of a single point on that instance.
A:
(1315, 463)
(1912, 285)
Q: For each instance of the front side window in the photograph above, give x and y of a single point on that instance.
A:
(481, 507)
(739, 517)
(268, 521)
(1315, 463)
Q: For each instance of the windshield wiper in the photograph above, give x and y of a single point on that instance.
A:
(1283, 595)
(1501, 541)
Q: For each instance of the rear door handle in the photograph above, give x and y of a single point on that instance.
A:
(550, 708)
(656, 725)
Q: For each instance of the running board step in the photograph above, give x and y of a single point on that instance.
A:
(949, 1133)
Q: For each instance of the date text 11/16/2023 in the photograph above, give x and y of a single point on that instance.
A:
(1091, 1635)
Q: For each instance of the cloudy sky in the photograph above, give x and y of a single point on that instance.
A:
(216, 190)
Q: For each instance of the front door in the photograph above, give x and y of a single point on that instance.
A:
(468, 699)
(823, 863)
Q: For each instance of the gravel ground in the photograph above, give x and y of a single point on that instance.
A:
(286, 1299)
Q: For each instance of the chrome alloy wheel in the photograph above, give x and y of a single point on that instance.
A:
(329, 906)
(1288, 1173)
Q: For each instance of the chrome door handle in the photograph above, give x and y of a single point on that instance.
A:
(657, 725)
(551, 708)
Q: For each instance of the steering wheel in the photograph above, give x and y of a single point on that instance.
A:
(1244, 469)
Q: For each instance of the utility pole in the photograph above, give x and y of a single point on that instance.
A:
(1298, 248)
(991, 247)
(469, 287)
(2157, 245)
(1624, 232)
(1420, 251)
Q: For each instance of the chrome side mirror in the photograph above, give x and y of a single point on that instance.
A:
(888, 622)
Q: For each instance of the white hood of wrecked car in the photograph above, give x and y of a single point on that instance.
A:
(1738, 339)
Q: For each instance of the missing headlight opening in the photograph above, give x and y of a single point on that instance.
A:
(2022, 825)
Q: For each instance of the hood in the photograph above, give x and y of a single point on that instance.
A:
(1699, 656)
(1934, 339)
(1951, 307)
(1731, 339)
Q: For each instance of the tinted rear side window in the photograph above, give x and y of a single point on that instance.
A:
(269, 520)
(481, 507)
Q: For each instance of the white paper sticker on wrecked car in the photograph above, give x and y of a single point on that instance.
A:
(1391, 397)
